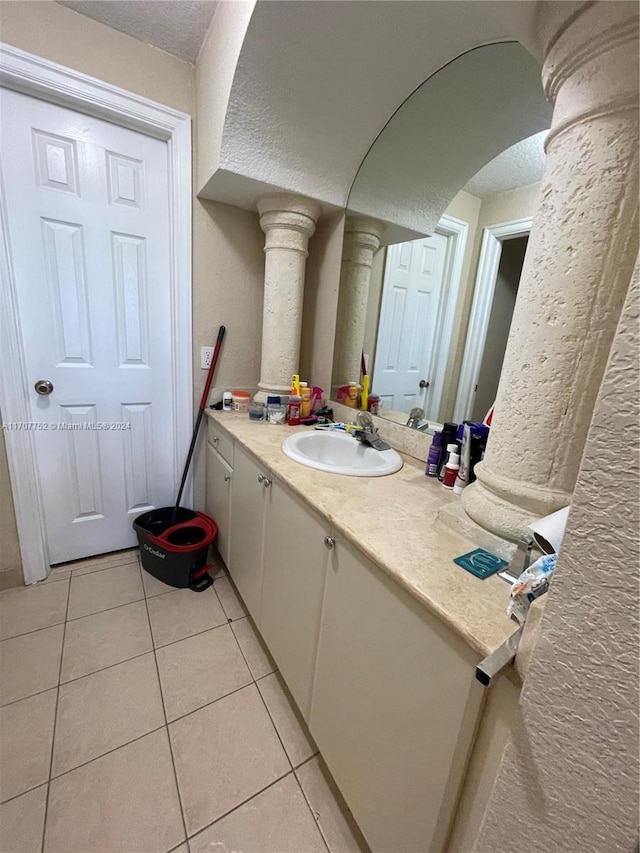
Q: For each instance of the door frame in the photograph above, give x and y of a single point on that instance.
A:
(493, 237)
(32, 75)
(456, 230)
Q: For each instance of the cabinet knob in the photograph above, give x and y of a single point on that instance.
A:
(216, 439)
(329, 541)
(260, 478)
(266, 482)
(227, 477)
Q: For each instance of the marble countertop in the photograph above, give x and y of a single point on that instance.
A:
(392, 521)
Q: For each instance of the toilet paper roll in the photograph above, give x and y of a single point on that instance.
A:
(549, 531)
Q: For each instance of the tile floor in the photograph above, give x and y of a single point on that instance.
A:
(134, 716)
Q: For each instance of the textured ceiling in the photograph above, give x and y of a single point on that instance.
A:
(176, 26)
(518, 166)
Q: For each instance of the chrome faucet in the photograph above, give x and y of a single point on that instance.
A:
(368, 433)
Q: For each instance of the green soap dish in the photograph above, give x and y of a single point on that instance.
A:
(481, 563)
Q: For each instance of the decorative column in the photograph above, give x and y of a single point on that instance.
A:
(577, 269)
(361, 239)
(287, 221)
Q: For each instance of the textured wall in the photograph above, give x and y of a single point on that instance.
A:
(570, 779)
(301, 123)
(214, 77)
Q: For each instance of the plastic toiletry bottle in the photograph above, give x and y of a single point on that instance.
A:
(295, 385)
(452, 467)
(351, 397)
(449, 433)
(305, 400)
(293, 412)
(462, 478)
(433, 458)
(227, 401)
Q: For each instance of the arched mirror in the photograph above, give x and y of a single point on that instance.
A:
(435, 236)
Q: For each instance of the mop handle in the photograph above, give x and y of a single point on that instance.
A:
(201, 410)
(212, 369)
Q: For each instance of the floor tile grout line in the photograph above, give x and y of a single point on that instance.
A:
(129, 742)
(244, 657)
(197, 633)
(43, 627)
(208, 704)
(67, 567)
(315, 819)
(124, 660)
(22, 793)
(30, 696)
(239, 805)
(273, 723)
(103, 668)
(35, 631)
(75, 618)
(246, 660)
(106, 609)
(50, 579)
(168, 723)
(164, 711)
(178, 846)
(27, 587)
(108, 752)
(55, 719)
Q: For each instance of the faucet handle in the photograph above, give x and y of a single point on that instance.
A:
(365, 420)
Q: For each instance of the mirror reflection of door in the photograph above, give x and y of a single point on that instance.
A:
(415, 273)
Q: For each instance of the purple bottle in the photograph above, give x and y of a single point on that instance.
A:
(433, 459)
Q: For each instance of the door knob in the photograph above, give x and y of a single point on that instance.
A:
(423, 383)
(43, 387)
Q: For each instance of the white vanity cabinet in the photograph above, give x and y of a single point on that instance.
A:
(278, 562)
(219, 453)
(394, 706)
(295, 562)
(387, 688)
(249, 497)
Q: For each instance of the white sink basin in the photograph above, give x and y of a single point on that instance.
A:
(340, 453)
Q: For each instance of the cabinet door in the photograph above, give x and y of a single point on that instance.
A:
(218, 498)
(394, 707)
(295, 561)
(248, 502)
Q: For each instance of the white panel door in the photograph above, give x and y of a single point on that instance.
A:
(413, 284)
(88, 217)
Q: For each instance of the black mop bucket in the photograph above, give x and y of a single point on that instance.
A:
(175, 550)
